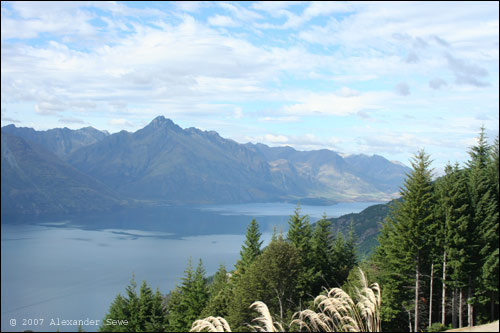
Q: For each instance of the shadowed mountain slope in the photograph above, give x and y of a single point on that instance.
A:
(36, 181)
(164, 163)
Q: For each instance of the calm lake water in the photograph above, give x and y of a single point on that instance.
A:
(72, 269)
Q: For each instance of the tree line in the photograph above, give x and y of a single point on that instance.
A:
(286, 275)
(437, 259)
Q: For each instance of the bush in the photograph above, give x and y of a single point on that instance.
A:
(438, 327)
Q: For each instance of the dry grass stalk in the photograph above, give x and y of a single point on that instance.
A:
(265, 321)
(338, 312)
(211, 324)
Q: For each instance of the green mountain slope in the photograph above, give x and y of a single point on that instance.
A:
(366, 223)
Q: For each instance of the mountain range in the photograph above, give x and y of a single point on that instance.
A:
(65, 170)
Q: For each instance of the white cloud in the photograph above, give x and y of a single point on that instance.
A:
(342, 103)
(307, 141)
(222, 21)
(240, 13)
(286, 119)
(121, 122)
(247, 81)
(238, 112)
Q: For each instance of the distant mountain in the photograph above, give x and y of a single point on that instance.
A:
(60, 141)
(385, 175)
(164, 163)
(36, 181)
(324, 173)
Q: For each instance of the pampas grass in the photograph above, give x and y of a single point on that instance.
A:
(265, 321)
(336, 312)
(211, 324)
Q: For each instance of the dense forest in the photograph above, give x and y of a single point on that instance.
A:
(436, 264)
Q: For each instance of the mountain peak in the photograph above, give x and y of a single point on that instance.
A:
(161, 121)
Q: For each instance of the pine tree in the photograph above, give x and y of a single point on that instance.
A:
(157, 318)
(142, 313)
(145, 305)
(321, 244)
(460, 238)
(220, 294)
(442, 191)
(299, 235)
(490, 273)
(187, 302)
(409, 234)
(251, 248)
(299, 231)
(393, 276)
(343, 257)
(117, 311)
(484, 206)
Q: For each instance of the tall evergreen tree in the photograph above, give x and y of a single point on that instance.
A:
(219, 295)
(117, 311)
(490, 268)
(409, 234)
(343, 257)
(251, 248)
(321, 247)
(187, 301)
(299, 231)
(442, 190)
(484, 206)
(459, 238)
(143, 312)
(299, 235)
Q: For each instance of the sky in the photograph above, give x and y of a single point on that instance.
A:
(355, 77)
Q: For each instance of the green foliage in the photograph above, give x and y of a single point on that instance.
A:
(220, 291)
(458, 216)
(143, 312)
(188, 300)
(485, 218)
(300, 235)
(299, 231)
(251, 248)
(366, 223)
(437, 327)
(343, 256)
(272, 279)
(321, 248)
(459, 233)
(405, 242)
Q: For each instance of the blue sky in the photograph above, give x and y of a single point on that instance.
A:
(372, 78)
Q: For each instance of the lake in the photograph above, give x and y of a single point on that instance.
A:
(72, 268)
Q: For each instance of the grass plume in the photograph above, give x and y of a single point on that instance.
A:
(265, 321)
(336, 311)
(211, 324)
